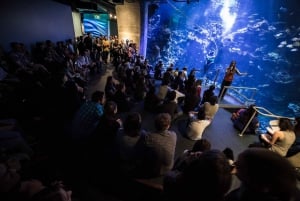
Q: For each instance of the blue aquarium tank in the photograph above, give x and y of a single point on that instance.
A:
(263, 37)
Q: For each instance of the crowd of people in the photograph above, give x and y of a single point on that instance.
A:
(57, 133)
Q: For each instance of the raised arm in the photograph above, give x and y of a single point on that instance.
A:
(239, 73)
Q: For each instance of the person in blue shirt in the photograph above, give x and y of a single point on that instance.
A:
(87, 117)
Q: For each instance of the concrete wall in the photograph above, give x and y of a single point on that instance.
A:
(77, 24)
(34, 20)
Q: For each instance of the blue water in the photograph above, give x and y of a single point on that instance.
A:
(262, 36)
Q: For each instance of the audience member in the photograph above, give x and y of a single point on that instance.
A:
(170, 105)
(87, 117)
(207, 177)
(207, 94)
(163, 90)
(242, 118)
(197, 125)
(151, 100)
(211, 108)
(189, 155)
(264, 176)
(295, 148)
(156, 150)
(191, 101)
(110, 88)
(127, 139)
(122, 99)
(35, 190)
(280, 141)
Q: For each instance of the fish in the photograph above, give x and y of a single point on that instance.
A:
(283, 9)
(295, 39)
(294, 107)
(279, 35)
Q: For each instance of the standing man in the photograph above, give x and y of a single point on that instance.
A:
(228, 78)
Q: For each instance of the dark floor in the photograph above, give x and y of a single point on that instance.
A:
(220, 133)
(88, 176)
(91, 178)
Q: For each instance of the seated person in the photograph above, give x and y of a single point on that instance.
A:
(187, 156)
(87, 117)
(191, 101)
(211, 107)
(280, 141)
(197, 125)
(14, 188)
(163, 90)
(207, 177)
(35, 190)
(264, 176)
(127, 139)
(295, 148)
(170, 105)
(151, 100)
(208, 93)
(242, 118)
(12, 142)
(156, 150)
(122, 98)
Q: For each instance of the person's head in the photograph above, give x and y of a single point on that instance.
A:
(297, 120)
(285, 124)
(251, 110)
(98, 96)
(121, 87)
(199, 82)
(201, 145)
(132, 124)
(263, 171)
(212, 87)
(35, 190)
(162, 121)
(201, 114)
(213, 100)
(9, 178)
(208, 177)
(171, 95)
(109, 79)
(297, 123)
(110, 108)
(233, 63)
(151, 89)
(165, 81)
(229, 153)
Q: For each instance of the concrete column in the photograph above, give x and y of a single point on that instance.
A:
(129, 22)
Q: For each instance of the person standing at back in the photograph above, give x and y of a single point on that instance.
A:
(231, 70)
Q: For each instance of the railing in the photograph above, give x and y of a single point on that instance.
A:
(264, 112)
(241, 97)
(247, 101)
